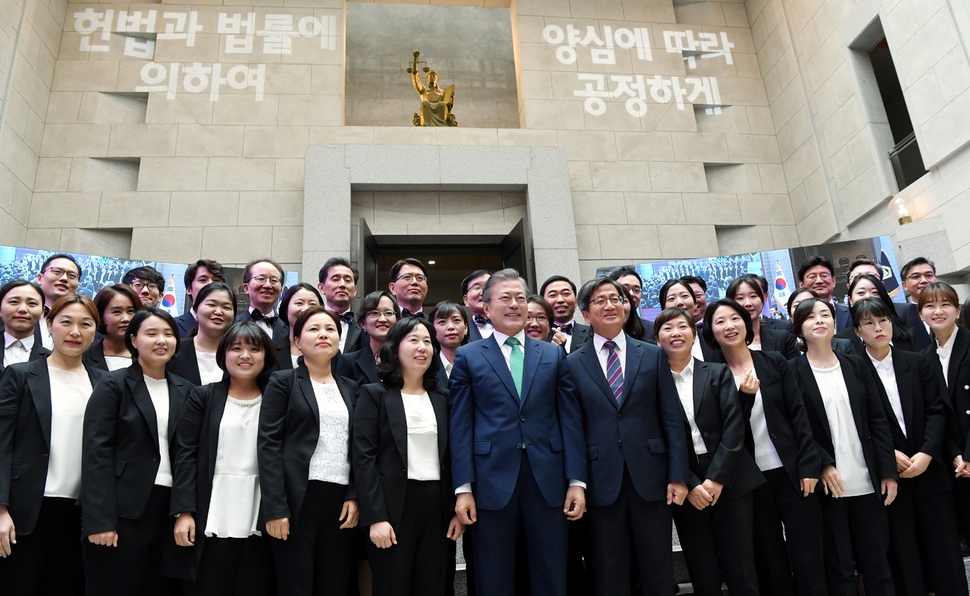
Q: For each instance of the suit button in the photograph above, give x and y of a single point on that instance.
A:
(773, 437)
(968, 412)
(704, 435)
(619, 416)
(966, 387)
(619, 443)
(522, 418)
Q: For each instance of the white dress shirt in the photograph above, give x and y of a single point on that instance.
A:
(423, 461)
(262, 324)
(330, 461)
(603, 354)
(765, 454)
(684, 381)
(158, 390)
(16, 350)
(944, 352)
(234, 503)
(445, 364)
(70, 392)
(695, 348)
(849, 458)
(887, 374)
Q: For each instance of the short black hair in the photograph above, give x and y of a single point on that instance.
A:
(708, 331)
(798, 292)
(309, 312)
(537, 299)
(218, 286)
(472, 277)
(396, 267)
(336, 262)
(623, 272)
(389, 368)
(371, 301)
(142, 315)
(248, 269)
(586, 292)
(634, 327)
(801, 315)
(669, 314)
(862, 263)
(61, 255)
(870, 307)
(694, 279)
(445, 309)
(917, 261)
(147, 273)
(753, 282)
(665, 289)
(250, 333)
(287, 296)
(554, 279)
(814, 262)
(108, 293)
(16, 283)
(214, 267)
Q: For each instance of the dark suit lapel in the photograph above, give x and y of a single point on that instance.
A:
(139, 392)
(367, 365)
(587, 356)
(38, 382)
(634, 356)
(957, 355)
(904, 383)
(303, 382)
(701, 375)
(397, 420)
(440, 404)
(813, 394)
(493, 355)
(529, 365)
(281, 334)
(216, 410)
(38, 351)
(177, 391)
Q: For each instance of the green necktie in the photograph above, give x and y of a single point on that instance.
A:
(515, 364)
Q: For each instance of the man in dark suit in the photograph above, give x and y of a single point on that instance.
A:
(409, 284)
(263, 283)
(518, 452)
(58, 276)
(471, 295)
(917, 274)
(817, 273)
(631, 280)
(198, 275)
(338, 284)
(635, 443)
(147, 282)
(560, 293)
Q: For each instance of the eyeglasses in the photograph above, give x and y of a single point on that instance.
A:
(635, 290)
(871, 323)
(918, 276)
(58, 272)
(410, 277)
(507, 300)
(138, 286)
(261, 279)
(821, 276)
(387, 314)
(537, 318)
(602, 300)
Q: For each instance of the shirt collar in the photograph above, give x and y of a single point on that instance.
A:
(948, 346)
(688, 371)
(28, 341)
(501, 337)
(885, 365)
(619, 340)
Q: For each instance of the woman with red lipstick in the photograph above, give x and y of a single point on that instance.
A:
(21, 308)
(215, 493)
(41, 415)
(309, 502)
(126, 466)
(377, 312)
(747, 291)
(780, 439)
(215, 307)
(403, 467)
(853, 441)
(116, 305)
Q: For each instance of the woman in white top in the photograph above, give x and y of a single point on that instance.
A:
(856, 450)
(126, 465)
(309, 502)
(116, 304)
(402, 466)
(296, 299)
(215, 307)
(21, 307)
(41, 417)
(215, 494)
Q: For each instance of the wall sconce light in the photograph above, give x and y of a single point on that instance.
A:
(902, 212)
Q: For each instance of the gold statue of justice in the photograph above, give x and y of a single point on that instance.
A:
(436, 104)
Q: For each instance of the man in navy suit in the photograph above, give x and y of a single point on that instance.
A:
(636, 446)
(817, 273)
(198, 275)
(559, 292)
(518, 452)
(471, 295)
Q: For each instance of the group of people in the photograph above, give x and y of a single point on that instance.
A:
(303, 447)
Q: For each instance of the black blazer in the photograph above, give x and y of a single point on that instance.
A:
(870, 418)
(186, 364)
(774, 340)
(186, 323)
(25, 439)
(281, 333)
(355, 338)
(94, 355)
(720, 420)
(776, 324)
(909, 314)
(581, 335)
(843, 317)
(924, 414)
(37, 352)
(359, 366)
(785, 415)
(380, 455)
(289, 427)
(956, 394)
(195, 449)
(120, 449)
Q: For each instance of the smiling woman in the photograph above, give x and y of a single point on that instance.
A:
(215, 307)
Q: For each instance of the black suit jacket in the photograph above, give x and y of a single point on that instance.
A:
(923, 413)
(776, 324)
(909, 314)
(774, 340)
(94, 355)
(186, 323)
(281, 333)
(120, 451)
(289, 427)
(474, 333)
(867, 412)
(355, 336)
(956, 394)
(25, 439)
(380, 455)
(788, 426)
(186, 364)
(843, 318)
(359, 366)
(37, 352)
(581, 334)
(720, 420)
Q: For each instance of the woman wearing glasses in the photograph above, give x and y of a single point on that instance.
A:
(866, 285)
(116, 305)
(215, 306)
(378, 311)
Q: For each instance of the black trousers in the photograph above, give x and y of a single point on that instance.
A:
(718, 540)
(133, 567)
(632, 530)
(317, 557)
(418, 564)
(233, 567)
(48, 560)
(777, 502)
(856, 529)
(926, 525)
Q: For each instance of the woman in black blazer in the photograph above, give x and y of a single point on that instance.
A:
(403, 467)
(21, 307)
(309, 502)
(126, 468)
(116, 304)
(215, 495)
(296, 299)
(377, 313)
(747, 291)
(778, 435)
(716, 525)
(840, 345)
(855, 447)
(41, 416)
(866, 285)
(215, 307)
(922, 519)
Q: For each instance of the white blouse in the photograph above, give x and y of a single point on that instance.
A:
(16, 350)
(765, 454)
(70, 392)
(684, 381)
(209, 371)
(423, 462)
(330, 461)
(849, 459)
(117, 362)
(234, 504)
(158, 390)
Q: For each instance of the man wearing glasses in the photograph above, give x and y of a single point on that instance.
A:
(917, 274)
(147, 282)
(263, 283)
(409, 284)
(59, 276)
(817, 273)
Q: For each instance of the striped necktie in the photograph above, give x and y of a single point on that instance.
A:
(614, 372)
